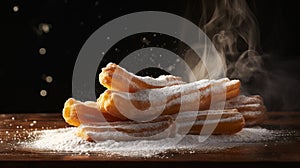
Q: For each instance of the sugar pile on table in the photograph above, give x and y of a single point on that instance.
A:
(65, 140)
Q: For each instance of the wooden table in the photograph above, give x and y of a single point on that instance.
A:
(283, 150)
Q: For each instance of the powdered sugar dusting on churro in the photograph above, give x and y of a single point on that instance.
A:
(163, 80)
(65, 140)
(244, 106)
(163, 93)
(159, 129)
(232, 82)
(184, 89)
(188, 118)
(242, 99)
(122, 136)
(252, 113)
(150, 103)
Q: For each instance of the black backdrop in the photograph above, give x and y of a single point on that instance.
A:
(23, 70)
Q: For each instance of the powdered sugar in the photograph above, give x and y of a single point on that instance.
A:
(252, 113)
(188, 95)
(65, 140)
(163, 80)
(242, 100)
(244, 106)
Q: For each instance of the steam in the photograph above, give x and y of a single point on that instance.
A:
(232, 28)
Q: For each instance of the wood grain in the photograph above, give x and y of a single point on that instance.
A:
(15, 127)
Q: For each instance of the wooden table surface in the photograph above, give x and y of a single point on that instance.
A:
(283, 149)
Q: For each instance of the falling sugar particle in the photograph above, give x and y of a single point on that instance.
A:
(12, 118)
(43, 93)
(44, 27)
(108, 38)
(154, 35)
(49, 79)
(145, 41)
(177, 60)
(103, 53)
(34, 122)
(31, 124)
(42, 51)
(15, 8)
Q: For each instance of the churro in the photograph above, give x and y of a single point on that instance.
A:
(159, 128)
(117, 78)
(251, 107)
(210, 122)
(76, 112)
(150, 103)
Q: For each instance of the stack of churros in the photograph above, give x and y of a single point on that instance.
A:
(135, 107)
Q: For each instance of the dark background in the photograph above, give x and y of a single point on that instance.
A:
(23, 70)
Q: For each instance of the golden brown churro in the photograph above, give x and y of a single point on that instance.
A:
(252, 108)
(76, 112)
(192, 122)
(159, 128)
(168, 100)
(215, 121)
(114, 77)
